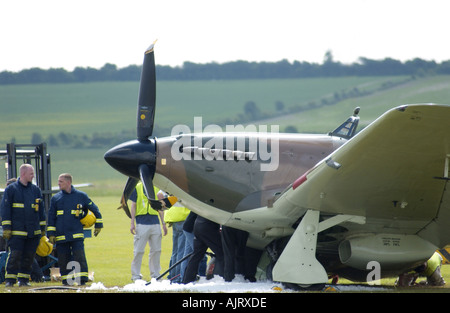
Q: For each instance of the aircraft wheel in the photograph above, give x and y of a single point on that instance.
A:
(301, 287)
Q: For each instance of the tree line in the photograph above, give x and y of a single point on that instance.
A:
(232, 70)
(69, 140)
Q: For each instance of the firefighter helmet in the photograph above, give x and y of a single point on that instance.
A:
(88, 220)
(45, 247)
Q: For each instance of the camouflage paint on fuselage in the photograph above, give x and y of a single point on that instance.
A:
(234, 183)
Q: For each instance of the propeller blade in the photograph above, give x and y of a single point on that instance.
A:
(146, 176)
(147, 96)
(147, 181)
(129, 187)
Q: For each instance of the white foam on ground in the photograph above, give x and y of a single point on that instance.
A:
(218, 284)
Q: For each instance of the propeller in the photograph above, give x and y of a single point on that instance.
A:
(147, 96)
(129, 187)
(137, 159)
(149, 191)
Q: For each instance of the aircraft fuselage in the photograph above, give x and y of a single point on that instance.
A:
(219, 181)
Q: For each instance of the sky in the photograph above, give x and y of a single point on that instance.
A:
(90, 33)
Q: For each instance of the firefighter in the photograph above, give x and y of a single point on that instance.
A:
(65, 228)
(431, 269)
(23, 222)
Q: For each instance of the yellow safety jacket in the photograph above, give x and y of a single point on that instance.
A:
(142, 205)
(177, 213)
(432, 264)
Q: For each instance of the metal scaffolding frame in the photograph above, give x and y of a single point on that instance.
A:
(36, 155)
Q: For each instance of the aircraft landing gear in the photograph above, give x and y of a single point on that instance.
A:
(298, 264)
(273, 254)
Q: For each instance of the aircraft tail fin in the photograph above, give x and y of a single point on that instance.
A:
(347, 129)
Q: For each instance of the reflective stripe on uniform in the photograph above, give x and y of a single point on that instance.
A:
(11, 276)
(22, 275)
(20, 233)
(79, 235)
(74, 275)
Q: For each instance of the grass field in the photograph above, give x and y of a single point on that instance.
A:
(88, 108)
(429, 90)
(111, 107)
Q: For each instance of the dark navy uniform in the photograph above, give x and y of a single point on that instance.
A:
(207, 234)
(234, 242)
(23, 213)
(64, 223)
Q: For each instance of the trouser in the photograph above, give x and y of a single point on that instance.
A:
(252, 257)
(151, 234)
(20, 260)
(72, 262)
(207, 234)
(436, 278)
(188, 249)
(178, 243)
(234, 242)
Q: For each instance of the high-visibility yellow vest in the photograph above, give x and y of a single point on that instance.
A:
(433, 263)
(142, 205)
(176, 213)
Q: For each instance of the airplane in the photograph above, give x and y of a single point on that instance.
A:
(363, 206)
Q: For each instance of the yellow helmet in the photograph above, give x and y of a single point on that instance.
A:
(45, 247)
(88, 220)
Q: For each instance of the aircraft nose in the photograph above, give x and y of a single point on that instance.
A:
(127, 157)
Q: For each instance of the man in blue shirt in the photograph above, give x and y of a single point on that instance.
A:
(145, 226)
(65, 229)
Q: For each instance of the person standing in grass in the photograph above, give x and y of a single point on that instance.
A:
(145, 226)
(175, 217)
(23, 222)
(65, 228)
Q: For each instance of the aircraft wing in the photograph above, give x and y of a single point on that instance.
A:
(396, 168)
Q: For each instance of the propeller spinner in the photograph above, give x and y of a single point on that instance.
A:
(137, 159)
